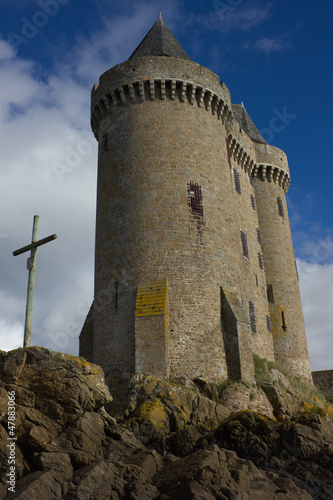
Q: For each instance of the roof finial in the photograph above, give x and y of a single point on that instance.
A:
(160, 15)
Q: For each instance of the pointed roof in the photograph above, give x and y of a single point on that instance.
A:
(243, 119)
(160, 41)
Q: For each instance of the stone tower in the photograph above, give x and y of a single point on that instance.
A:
(194, 264)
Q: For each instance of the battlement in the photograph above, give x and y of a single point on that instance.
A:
(159, 88)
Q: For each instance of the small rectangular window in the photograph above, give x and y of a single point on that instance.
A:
(269, 323)
(251, 180)
(270, 295)
(252, 318)
(237, 181)
(259, 236)
(253, 202)
(194, 193)
(245, 247)
(284, 325)
(280, 206)
(260, 261)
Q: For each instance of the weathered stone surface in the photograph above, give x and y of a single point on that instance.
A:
(295, 448)
(239, 396)
(184, 445)
(281, 395)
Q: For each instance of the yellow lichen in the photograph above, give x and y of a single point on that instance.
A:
(154, 411)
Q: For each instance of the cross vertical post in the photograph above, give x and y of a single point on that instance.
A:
(31, 265)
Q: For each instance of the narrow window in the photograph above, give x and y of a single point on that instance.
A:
(237, 181)
(280, 206)
(269, 323)
(228, 152)
(284, 326)
(194, 193)
(259, 236)
(252, 318)
(251, 180)
(104, 143)
(257, 281)
(253, 202)
(260, 261)
(245, 247)
(270, 295)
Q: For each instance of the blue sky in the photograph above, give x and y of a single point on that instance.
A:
(274, 56)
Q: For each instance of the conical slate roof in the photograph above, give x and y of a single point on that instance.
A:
(160, 41)
(243, 119)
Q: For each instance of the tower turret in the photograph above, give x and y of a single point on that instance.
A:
(180, 283)
(271, 182)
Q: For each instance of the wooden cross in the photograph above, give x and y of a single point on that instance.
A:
(31, 266)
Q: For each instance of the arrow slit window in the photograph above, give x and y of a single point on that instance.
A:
(237, 181)
(245, 248)
(253, 323)
(280, 206)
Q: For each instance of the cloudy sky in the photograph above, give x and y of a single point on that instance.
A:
(274, 56)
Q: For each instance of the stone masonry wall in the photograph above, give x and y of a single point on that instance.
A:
(323, 381)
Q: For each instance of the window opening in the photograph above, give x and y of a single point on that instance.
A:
(270, 295)
(259, 236)
(194, 192)
(269, 323)
(251, 180)
(280, 206)
(237, 181)
(253, 202)
(252, 318)
(245, 247)
(284, 326)
(260, 260)
(228, 153)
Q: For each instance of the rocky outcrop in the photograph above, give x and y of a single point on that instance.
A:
(153, 439)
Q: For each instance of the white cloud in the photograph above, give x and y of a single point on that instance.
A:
(269, 44)
(233, 16)
(11, 335)
(316, 286)
(6, 51)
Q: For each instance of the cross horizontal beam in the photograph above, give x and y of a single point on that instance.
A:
(35, 244)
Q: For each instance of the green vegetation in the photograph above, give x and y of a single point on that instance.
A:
(222, 386)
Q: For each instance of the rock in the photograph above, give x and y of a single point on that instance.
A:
(281, 395)
(75, 442)
(292, 448)
(240, 396)
(214, 473)
(155, 408)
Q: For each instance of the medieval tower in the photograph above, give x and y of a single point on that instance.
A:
(194, 263)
